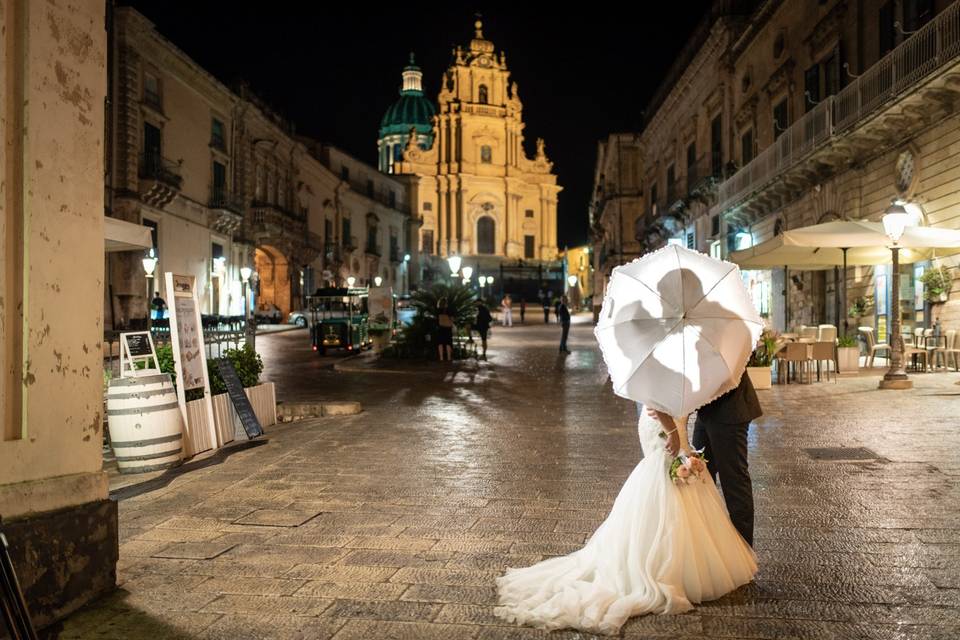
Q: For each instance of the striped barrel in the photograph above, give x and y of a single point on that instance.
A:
(146, 427)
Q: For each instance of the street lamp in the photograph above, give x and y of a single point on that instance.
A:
(467, 273)
(377, 281)
(454, 263)
(149, 266)
(351, 281)
(483, 281)
(249, 327)
(895, 221)
(572, 281)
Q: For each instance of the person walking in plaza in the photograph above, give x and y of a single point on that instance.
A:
(563, 317)
(444, 330)
(482, 325)
(523, 309)
(546, 308)
(506, 306)
(159, 305)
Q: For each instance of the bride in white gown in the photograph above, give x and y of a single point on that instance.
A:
(663, 547)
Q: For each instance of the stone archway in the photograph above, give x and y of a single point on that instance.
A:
(274, 286)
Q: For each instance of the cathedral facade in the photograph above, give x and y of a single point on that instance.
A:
(474, 189)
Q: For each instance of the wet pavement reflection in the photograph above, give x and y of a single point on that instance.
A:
(395, 522)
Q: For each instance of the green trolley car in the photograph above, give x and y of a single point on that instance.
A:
(339, 319)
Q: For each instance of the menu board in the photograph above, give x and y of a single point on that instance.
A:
(190, 343)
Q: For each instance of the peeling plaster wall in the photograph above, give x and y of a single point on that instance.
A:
(57, 461)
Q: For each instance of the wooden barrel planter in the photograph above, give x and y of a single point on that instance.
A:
(146, 427)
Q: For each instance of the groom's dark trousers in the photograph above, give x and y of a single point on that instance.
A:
(721, 431)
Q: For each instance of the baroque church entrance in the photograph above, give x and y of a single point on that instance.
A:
(486, 236)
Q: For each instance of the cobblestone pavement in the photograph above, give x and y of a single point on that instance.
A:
(394, 523)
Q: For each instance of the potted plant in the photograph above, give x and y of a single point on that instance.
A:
(937, 284)
(248, 366)
(761, 360)
(262, 396)
(859, 308)
(848, 355)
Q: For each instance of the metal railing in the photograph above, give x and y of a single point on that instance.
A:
(155, 167)
(916, 58)
(221, 198)
(226, 333)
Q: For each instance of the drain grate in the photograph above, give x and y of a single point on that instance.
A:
(841, 453)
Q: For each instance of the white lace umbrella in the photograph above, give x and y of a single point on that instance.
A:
(676, 329)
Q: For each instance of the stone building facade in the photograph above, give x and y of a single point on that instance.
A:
(829, 110)
(225, 183)
(58, 519)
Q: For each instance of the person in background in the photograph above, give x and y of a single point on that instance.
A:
(159, 305)
(482, 325)
(507, 307)
(546, 308)
(563, 317)
(444, 330)
(523, 309)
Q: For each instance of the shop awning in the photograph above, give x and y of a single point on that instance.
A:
(822, 246)
(119, 235)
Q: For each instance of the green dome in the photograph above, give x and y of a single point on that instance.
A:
(413, 109)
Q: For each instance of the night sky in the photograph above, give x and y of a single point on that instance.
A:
(334, 68)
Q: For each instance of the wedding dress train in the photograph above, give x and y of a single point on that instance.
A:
(663, 548)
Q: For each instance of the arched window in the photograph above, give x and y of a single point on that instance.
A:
(486, 235)
(483, 99)
(486, 154)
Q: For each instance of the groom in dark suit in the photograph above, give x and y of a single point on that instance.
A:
(721, 431)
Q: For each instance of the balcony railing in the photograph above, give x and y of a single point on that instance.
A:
(704, 173)
(293, 215)
(916, 58)
(155, 167)
(372, 249)
(221, 198)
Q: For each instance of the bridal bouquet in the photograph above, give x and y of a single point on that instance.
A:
(687, 468)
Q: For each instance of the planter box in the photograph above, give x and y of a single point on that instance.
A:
(848, 360)
(760, 377)
(264, 401)
(197, 432)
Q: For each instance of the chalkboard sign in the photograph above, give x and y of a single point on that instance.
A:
(240, 401)
(138, 344)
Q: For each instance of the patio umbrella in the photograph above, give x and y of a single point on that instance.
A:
(676, 329)
(843, 242)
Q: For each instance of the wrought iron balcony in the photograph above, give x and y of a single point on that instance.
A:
(891, 78)
(155, 167)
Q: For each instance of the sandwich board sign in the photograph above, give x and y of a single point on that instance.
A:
(136, 348)
(190, 360)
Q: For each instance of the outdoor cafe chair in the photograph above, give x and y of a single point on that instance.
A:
(952, 348)
(808, 334)
(823, 353)
(827, 333)
(916, 351)
(800, 354)
(872, 347)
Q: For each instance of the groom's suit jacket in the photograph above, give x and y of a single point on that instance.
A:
(734, 407)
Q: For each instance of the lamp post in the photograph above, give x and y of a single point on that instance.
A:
(467, 273)
(149, 266)
(574, 293)
(377, 281)
(454, 263)
(895, 220)
(249, 327)
(351, 280)
(406, 273)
